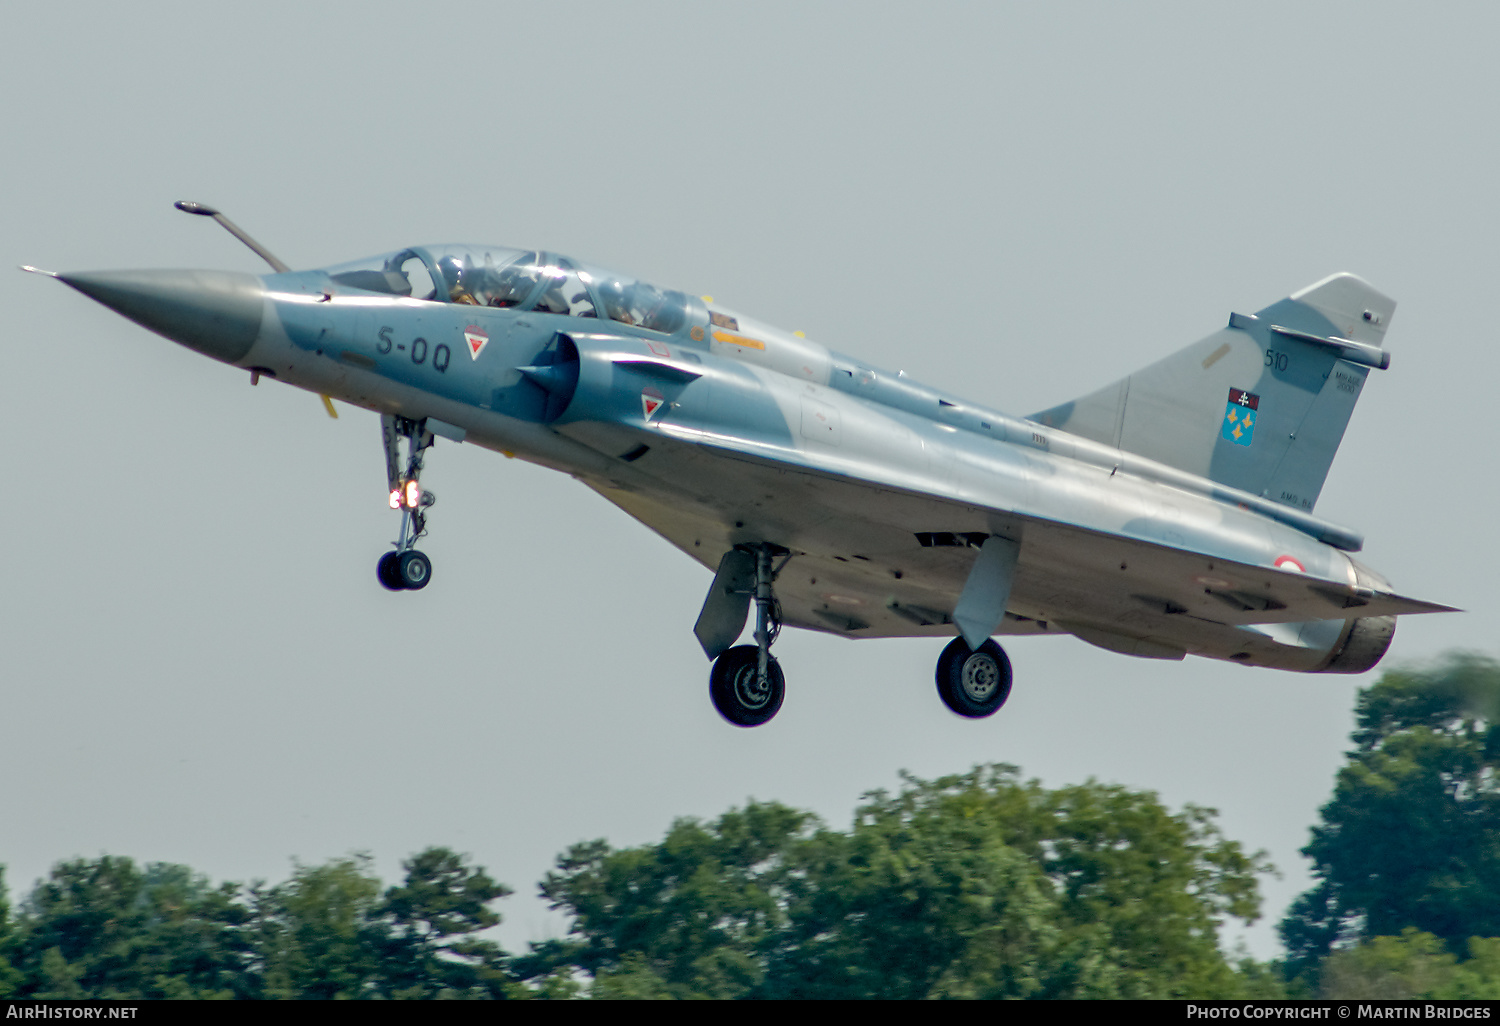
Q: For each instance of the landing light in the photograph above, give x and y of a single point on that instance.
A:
(413, 495)
(395, 498)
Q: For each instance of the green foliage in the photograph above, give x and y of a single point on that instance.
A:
(1389, 968)
(1478, 978)
(318, 935)
(10, 977)
(1411, 837)
(978, 885)
(1413, 965)
(105, 928)
(982, 885)
(1266, 981)
(435, 917)
(693, 916)
(925, 896)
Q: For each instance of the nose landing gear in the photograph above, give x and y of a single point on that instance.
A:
(406, 569)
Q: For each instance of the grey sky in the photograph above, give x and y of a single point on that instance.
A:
(1018, 202)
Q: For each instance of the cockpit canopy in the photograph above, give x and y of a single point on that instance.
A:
(518, 279)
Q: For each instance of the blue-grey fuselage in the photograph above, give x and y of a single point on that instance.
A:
(1169, 514)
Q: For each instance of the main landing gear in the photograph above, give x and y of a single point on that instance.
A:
(406, 569)
(973, 682)
(746, 684)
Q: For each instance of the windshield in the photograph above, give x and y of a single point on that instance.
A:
(398, 274)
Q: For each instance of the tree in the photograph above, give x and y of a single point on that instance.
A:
(1411, 837)
(10, 978)
(105, 928)
(982, 885)
(925, 896)
(318, 935)
(693, 916)
(978, 885)
(435, 918)
(329, 932)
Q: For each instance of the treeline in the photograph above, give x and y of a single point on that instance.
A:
(981, 885)
(106, 928)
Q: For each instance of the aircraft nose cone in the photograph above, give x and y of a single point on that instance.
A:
(216, 313)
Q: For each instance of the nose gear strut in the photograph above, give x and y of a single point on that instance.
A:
(406, 569)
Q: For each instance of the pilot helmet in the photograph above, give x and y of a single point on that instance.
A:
(452, 270)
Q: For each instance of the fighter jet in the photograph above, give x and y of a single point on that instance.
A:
(1166, 514)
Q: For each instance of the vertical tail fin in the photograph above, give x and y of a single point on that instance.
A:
(1260, 405)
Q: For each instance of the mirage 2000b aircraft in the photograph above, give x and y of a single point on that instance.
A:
(1166, 514)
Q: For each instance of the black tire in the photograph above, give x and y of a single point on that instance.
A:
(388, 572)
(973, 682)
(735, 687)
(415, 570)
